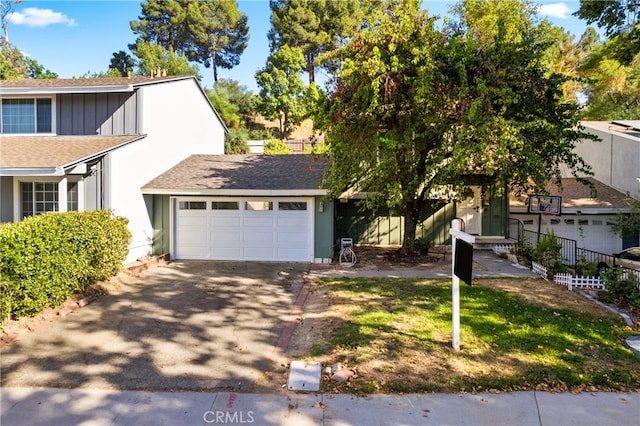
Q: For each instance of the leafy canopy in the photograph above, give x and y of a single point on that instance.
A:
(418, 111)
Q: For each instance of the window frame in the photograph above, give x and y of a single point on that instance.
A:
(75, 182)
(35, 99)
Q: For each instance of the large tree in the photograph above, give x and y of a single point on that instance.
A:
(619, 19)
(220, 33)
(613, 88)
(211, 32)
(154, 58)
(163, 22)
(282, 92)
(122, 62)
(315, 26)
(418, 111)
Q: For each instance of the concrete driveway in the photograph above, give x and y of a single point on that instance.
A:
(191, 326)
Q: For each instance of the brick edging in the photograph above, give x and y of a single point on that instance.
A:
(296, 312)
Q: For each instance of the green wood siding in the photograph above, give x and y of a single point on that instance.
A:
(385, 227)
(161, 224)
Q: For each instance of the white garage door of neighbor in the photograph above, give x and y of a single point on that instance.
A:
(593, 233)
(244, 229)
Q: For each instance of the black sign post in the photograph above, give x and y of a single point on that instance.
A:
(463, 261)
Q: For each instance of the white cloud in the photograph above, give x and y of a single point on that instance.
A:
(35, 17)
(555, 10)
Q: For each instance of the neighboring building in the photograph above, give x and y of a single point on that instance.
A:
(585, 219)
(615, 162)
(615, 159)
(84, 144)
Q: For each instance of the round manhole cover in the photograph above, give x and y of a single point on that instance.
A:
(633, 342)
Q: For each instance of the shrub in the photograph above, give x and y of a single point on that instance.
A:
(422, 246)
(523, 250)
(236, 142)
(277, 147)
(44, 259)
(620, 288)
(548, 253)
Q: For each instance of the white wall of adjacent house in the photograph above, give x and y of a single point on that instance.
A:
(615, 159)
(179, 122)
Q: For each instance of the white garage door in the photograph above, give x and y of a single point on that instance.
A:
(244, 229)
(593, 233)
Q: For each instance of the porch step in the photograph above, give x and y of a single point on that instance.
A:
(487, 242)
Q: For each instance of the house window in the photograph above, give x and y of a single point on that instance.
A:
(38, 198)
(72, 196)
(28, 115)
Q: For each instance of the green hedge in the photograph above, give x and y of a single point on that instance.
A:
(45, 259)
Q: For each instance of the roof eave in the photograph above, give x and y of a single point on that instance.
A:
(234, 192)
(100, 153)
(68, 89)
(31, 171)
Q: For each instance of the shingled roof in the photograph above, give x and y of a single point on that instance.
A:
(22, 152)
(243, 174)
(62, 83)
(576, 195)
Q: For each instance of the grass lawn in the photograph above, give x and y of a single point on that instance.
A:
(515, 335)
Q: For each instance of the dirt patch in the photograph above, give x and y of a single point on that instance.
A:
(374, 258)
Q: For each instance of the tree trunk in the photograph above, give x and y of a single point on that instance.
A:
(411, 218)
(311, 69)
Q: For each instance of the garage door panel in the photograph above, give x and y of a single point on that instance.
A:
(258, 253)
(224, 236)
(226, 221)
(260, 237)
(225, 253)
(193, 220)
(258, 222)
(193, 236)
(292, 222)
(192, 252)
(292, 238)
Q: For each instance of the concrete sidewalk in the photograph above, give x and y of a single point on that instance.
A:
(486, 264)
(29, 406)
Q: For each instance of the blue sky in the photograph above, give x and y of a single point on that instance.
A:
(74, 37)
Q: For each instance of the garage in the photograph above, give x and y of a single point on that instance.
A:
(247, 228)
(593, 233)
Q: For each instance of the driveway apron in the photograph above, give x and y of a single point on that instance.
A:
(191, 326)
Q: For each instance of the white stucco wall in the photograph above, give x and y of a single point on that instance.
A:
(615, 160)
(179, 122)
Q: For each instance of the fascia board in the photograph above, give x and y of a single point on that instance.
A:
(235, 192)
(62, 90)
(34, 171)
(100, 153)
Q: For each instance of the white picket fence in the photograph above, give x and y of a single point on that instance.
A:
(502, 248)
(571, 281)
(539, 269)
